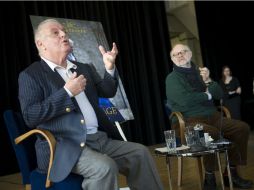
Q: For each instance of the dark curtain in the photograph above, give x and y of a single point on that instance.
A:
(138, 28)
(226, 37)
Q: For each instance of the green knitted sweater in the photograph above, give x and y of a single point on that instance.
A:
(182, 97)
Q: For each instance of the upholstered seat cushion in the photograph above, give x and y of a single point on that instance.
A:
(72, 182)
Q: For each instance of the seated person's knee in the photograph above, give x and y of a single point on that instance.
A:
(106, 165)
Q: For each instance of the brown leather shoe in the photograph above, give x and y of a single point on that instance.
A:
(238, 182)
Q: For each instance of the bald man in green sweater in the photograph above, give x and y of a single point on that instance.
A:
(191, 91)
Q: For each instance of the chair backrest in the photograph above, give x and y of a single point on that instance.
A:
(168, 110)
(25, 152)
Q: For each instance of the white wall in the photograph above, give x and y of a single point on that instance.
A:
(183, 26)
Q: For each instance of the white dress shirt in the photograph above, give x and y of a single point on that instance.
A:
(86, 108)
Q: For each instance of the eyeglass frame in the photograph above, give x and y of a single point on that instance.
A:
(182, 52)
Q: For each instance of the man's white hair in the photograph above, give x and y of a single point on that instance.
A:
(37, 31)
(184, 45)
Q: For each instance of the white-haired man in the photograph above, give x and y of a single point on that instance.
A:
(191, 92)
(62, 97)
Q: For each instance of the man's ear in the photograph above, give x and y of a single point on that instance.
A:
(190, 54)
(39, 44)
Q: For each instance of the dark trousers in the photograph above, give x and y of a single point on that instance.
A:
(234, 130)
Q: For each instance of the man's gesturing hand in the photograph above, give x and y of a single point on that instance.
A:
(205, 73)
(109, 57)
(76, 84)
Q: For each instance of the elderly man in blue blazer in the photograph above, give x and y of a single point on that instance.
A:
(62, 97)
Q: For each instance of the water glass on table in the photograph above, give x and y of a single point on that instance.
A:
(170, 139)
(189, 136)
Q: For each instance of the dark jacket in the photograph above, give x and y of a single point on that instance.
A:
(45, 104)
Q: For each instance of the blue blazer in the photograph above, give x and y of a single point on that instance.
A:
(45, 104)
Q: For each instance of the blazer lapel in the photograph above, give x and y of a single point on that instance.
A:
(56, 80)
(88, 91)
(52, 76)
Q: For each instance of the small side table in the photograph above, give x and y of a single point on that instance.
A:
(189, 153)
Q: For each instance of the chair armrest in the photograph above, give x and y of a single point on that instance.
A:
(52, 144)
(225, 111)
(181, 122)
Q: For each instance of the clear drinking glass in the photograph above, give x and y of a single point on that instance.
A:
(189, 136)
(170, 139)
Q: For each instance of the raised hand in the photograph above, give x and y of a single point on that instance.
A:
(238, 90)
(109, 57)
(205, 73)
(76, 84)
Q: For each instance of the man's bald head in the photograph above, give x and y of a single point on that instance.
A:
(52, 40)
(181, 55)
(37, 32)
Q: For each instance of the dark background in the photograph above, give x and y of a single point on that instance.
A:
(140, 31)
(226, 34)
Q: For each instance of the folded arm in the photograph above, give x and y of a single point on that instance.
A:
(212, 87)
(215, 90)
(182, 94)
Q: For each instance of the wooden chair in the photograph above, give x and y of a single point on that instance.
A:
(181, 123)
(25, 154)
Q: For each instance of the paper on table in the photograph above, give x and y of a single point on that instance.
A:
(164, 149)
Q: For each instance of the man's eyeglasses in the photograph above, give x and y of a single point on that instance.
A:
(183, 52)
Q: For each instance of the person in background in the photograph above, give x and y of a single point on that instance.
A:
(191, 91)
(232, 90)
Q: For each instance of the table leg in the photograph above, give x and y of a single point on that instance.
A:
(220, 170)
(180, 171)
(229, 172)
(200, 172)
(169, 174)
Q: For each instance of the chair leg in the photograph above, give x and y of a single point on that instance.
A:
(180, 171)
(28, 187)
(169, 173)
(220, 170)
(200, 172)
(229, 172)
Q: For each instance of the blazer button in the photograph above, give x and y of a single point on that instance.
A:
(82, 121)
(82, 144)
(67, 109)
